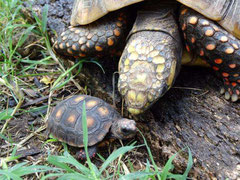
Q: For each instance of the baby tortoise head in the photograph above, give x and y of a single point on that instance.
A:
(124, 128)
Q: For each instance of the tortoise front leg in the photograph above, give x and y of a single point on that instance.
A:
(92, 150)
(218, 47)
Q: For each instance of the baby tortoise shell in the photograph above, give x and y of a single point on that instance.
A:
(65, 121)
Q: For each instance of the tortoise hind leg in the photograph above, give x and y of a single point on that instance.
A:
(219, 48)
(92, 151)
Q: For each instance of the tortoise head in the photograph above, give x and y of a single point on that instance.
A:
(87, 11)
(123, 128)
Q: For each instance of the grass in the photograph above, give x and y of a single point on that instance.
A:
(16, 75)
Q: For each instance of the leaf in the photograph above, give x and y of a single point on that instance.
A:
(46, 80)
(6, 114)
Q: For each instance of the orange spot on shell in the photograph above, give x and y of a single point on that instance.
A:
(193, 40)
(227, 82)
(90, 121)
(215, 28)
(78, 99)
(74, 47)
(88, 44)
(229, 50)
(77, 31)
(235, 75)
(215, 68)
(201, 52)
(237, 92)
(187, 47)
(184, 11)
(224, 39)
(67, 44)
(224, 74)
(90, 35)
(110, 41)
(184, 36)
(98, 48)
(61, 46)
(209, 32)
(71, 118)
(218, 61)
(234, 84)
(103, 111)
(210, 47)
(119, 24)
(120, 18)
(205, 23)
(193, 20)
(116, 32)
(91, 103)
(184, 26)
(59, 113)
(235, 46)
(69, 51)
(238, 81)
(232, 65)
(82, 55)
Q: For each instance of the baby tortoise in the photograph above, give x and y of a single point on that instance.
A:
(65, 123)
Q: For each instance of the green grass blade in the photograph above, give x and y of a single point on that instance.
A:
(44, 18)
(85, 139)
(57, 83)
(190, 163)
(58, 161)
(168, 166)
(8, 175)
(74, 176)
(115, 155)
(150, 154)
(136, 175)
(32, 169)
(48, 176)
(71, 160)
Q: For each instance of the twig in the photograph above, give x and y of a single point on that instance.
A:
(12, 114)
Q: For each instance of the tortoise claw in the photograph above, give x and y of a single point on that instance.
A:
(227, 95)
(231, 92)
(234, 97)
(222, 91)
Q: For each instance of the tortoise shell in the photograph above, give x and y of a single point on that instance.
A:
(65, 121)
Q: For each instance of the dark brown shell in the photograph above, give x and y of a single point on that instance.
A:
(65, 121)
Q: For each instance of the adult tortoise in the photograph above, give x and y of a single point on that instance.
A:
(151, 59)
(65, 123)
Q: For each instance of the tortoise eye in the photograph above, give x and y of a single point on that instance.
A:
(125, 130)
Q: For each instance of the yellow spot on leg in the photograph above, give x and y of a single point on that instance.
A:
(131, 96)
(160, 68)
(172, 74)
(158, 60)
